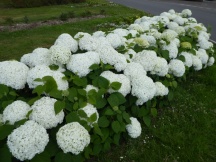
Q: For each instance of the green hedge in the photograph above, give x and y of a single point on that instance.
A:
(37, 3)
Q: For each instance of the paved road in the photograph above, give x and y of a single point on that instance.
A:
(204, 12)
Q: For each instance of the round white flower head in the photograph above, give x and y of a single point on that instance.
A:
(197, 63)
(16, 111)
(80, 63)
(136, 27)
(134, 129)
(176, 67)
(13, 74)
(172, 48)
(161, 67)
(121, 78)
(203, 56)
(133, 70)
(203, 35)
(73, 138)
(177, 42)
(172, 25)
(98, 34)
(151, 40)
(88, 43)
(205, 44)
(44, 113)
(109, 55)
(179, 20)
(155, 33)
(115, 40)
(137, 21)
(180, 30)
(40, 56)
(80, 35)
(172, 11)
(133, 32)
(211, 61)
(60, 54)
(188, 59)
(186, 13)
(121, 32)
(27, 140)
(141, 42)
(161, 90)
(145, 25)
(169, 35)
(41, 71)
(90, 110)
(163, 19)
(147, 59)
(67, 40)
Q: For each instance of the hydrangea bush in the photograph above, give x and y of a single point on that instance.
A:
(87, 92)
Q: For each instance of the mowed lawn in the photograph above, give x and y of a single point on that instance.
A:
(183, 131)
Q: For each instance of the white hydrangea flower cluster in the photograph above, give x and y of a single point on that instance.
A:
(143, 86)
(211, 61)
(59, 54)
(186, 13)
(203, 56)
(44, 113)
(90, 110)
(121, 32)
(109, 55)
(161, 67)
(172, 48)
(176, 67)
(40, 56)
(161, 90)
(13, 74)
(80, 63)
(41, 71)
(73, 138)
(188, 59)
(67, 40)
(115, 40)
(121, 78)
(27, 140)
(16, 111)
(134, 129)
(88, 43)
(136, 27)
(197, 63)
(169, 35)
(147, 59)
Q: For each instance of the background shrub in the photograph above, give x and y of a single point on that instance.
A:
(37, 3)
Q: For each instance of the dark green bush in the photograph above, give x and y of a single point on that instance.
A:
(37, 3)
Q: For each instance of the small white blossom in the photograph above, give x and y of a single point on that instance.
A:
(172, 48)
(88, 43)
(134, 129)
(73, 138)
(161, 90)
(27, 140)
(197, 63)
(169, 35)
(161, 67)
(136, 27)
(211, 61)
(115, 40)
(203, 56)
(90, 110)
(186, 13)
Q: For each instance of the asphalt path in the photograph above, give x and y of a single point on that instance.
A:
(204, 12)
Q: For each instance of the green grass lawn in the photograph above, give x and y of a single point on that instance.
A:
(184, 131)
